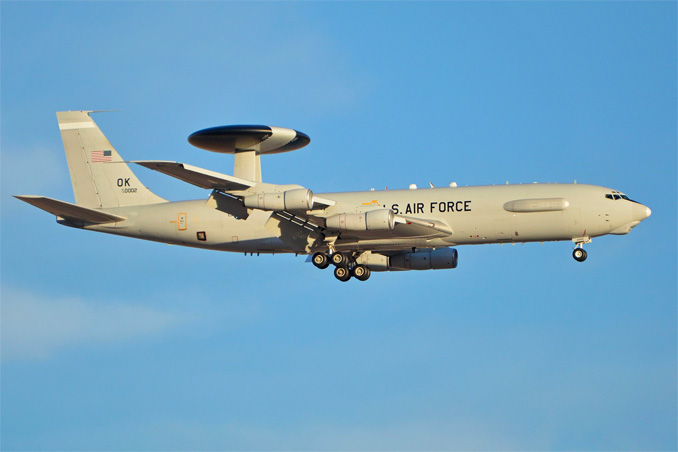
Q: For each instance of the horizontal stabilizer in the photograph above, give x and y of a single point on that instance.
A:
(200, 177)
(69, 211)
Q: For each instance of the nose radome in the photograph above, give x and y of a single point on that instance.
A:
(641, 212)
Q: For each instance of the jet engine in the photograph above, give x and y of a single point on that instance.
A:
(438, 259)
(425, 260)
(297, 199)
(374, 220)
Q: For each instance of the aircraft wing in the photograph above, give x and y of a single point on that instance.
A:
(70, 212)
(204, 178)
(200, 177)
(403, 226)
(212, 180)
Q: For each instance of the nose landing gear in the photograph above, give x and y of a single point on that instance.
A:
(579, 253)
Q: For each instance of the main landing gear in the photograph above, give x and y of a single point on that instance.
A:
(321, 260)
(345, 266)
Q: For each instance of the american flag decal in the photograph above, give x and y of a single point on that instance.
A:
(101, 156)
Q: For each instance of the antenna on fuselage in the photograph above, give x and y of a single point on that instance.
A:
(247, 143)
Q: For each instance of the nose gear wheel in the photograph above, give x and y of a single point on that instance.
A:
(579, 254)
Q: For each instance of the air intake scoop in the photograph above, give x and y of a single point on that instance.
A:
(242, 138)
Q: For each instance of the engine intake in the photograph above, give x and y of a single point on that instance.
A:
(374, 220)
(297, 199)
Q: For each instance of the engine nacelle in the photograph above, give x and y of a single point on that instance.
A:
(374, 261)
(374, 220)
(425, 260)
(420, 260)
(297, 199)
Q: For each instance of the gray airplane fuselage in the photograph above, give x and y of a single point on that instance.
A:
(476, 215)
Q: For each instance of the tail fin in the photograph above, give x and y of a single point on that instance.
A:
(99, 176)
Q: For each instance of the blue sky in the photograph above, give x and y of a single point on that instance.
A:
(114, 344)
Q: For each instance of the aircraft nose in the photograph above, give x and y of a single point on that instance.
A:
(640, 212)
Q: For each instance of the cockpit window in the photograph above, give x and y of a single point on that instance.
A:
(615, 195)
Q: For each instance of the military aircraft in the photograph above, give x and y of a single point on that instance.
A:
(356, 232)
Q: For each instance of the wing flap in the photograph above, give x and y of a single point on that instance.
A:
(405, 228)
(200, 177)
(70, 211)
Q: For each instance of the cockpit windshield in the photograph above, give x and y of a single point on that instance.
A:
(615, 195)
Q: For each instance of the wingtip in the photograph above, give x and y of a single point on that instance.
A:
(24, 197)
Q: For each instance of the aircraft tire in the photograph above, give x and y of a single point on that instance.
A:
(339, 260)
(579, 254)
(321, 261)
(342, 274)
(361, 272)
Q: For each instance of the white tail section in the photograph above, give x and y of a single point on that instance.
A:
(99, 176)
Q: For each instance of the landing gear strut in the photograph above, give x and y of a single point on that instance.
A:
(578, 253)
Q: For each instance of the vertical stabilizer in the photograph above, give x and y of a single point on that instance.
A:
(99, 176)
